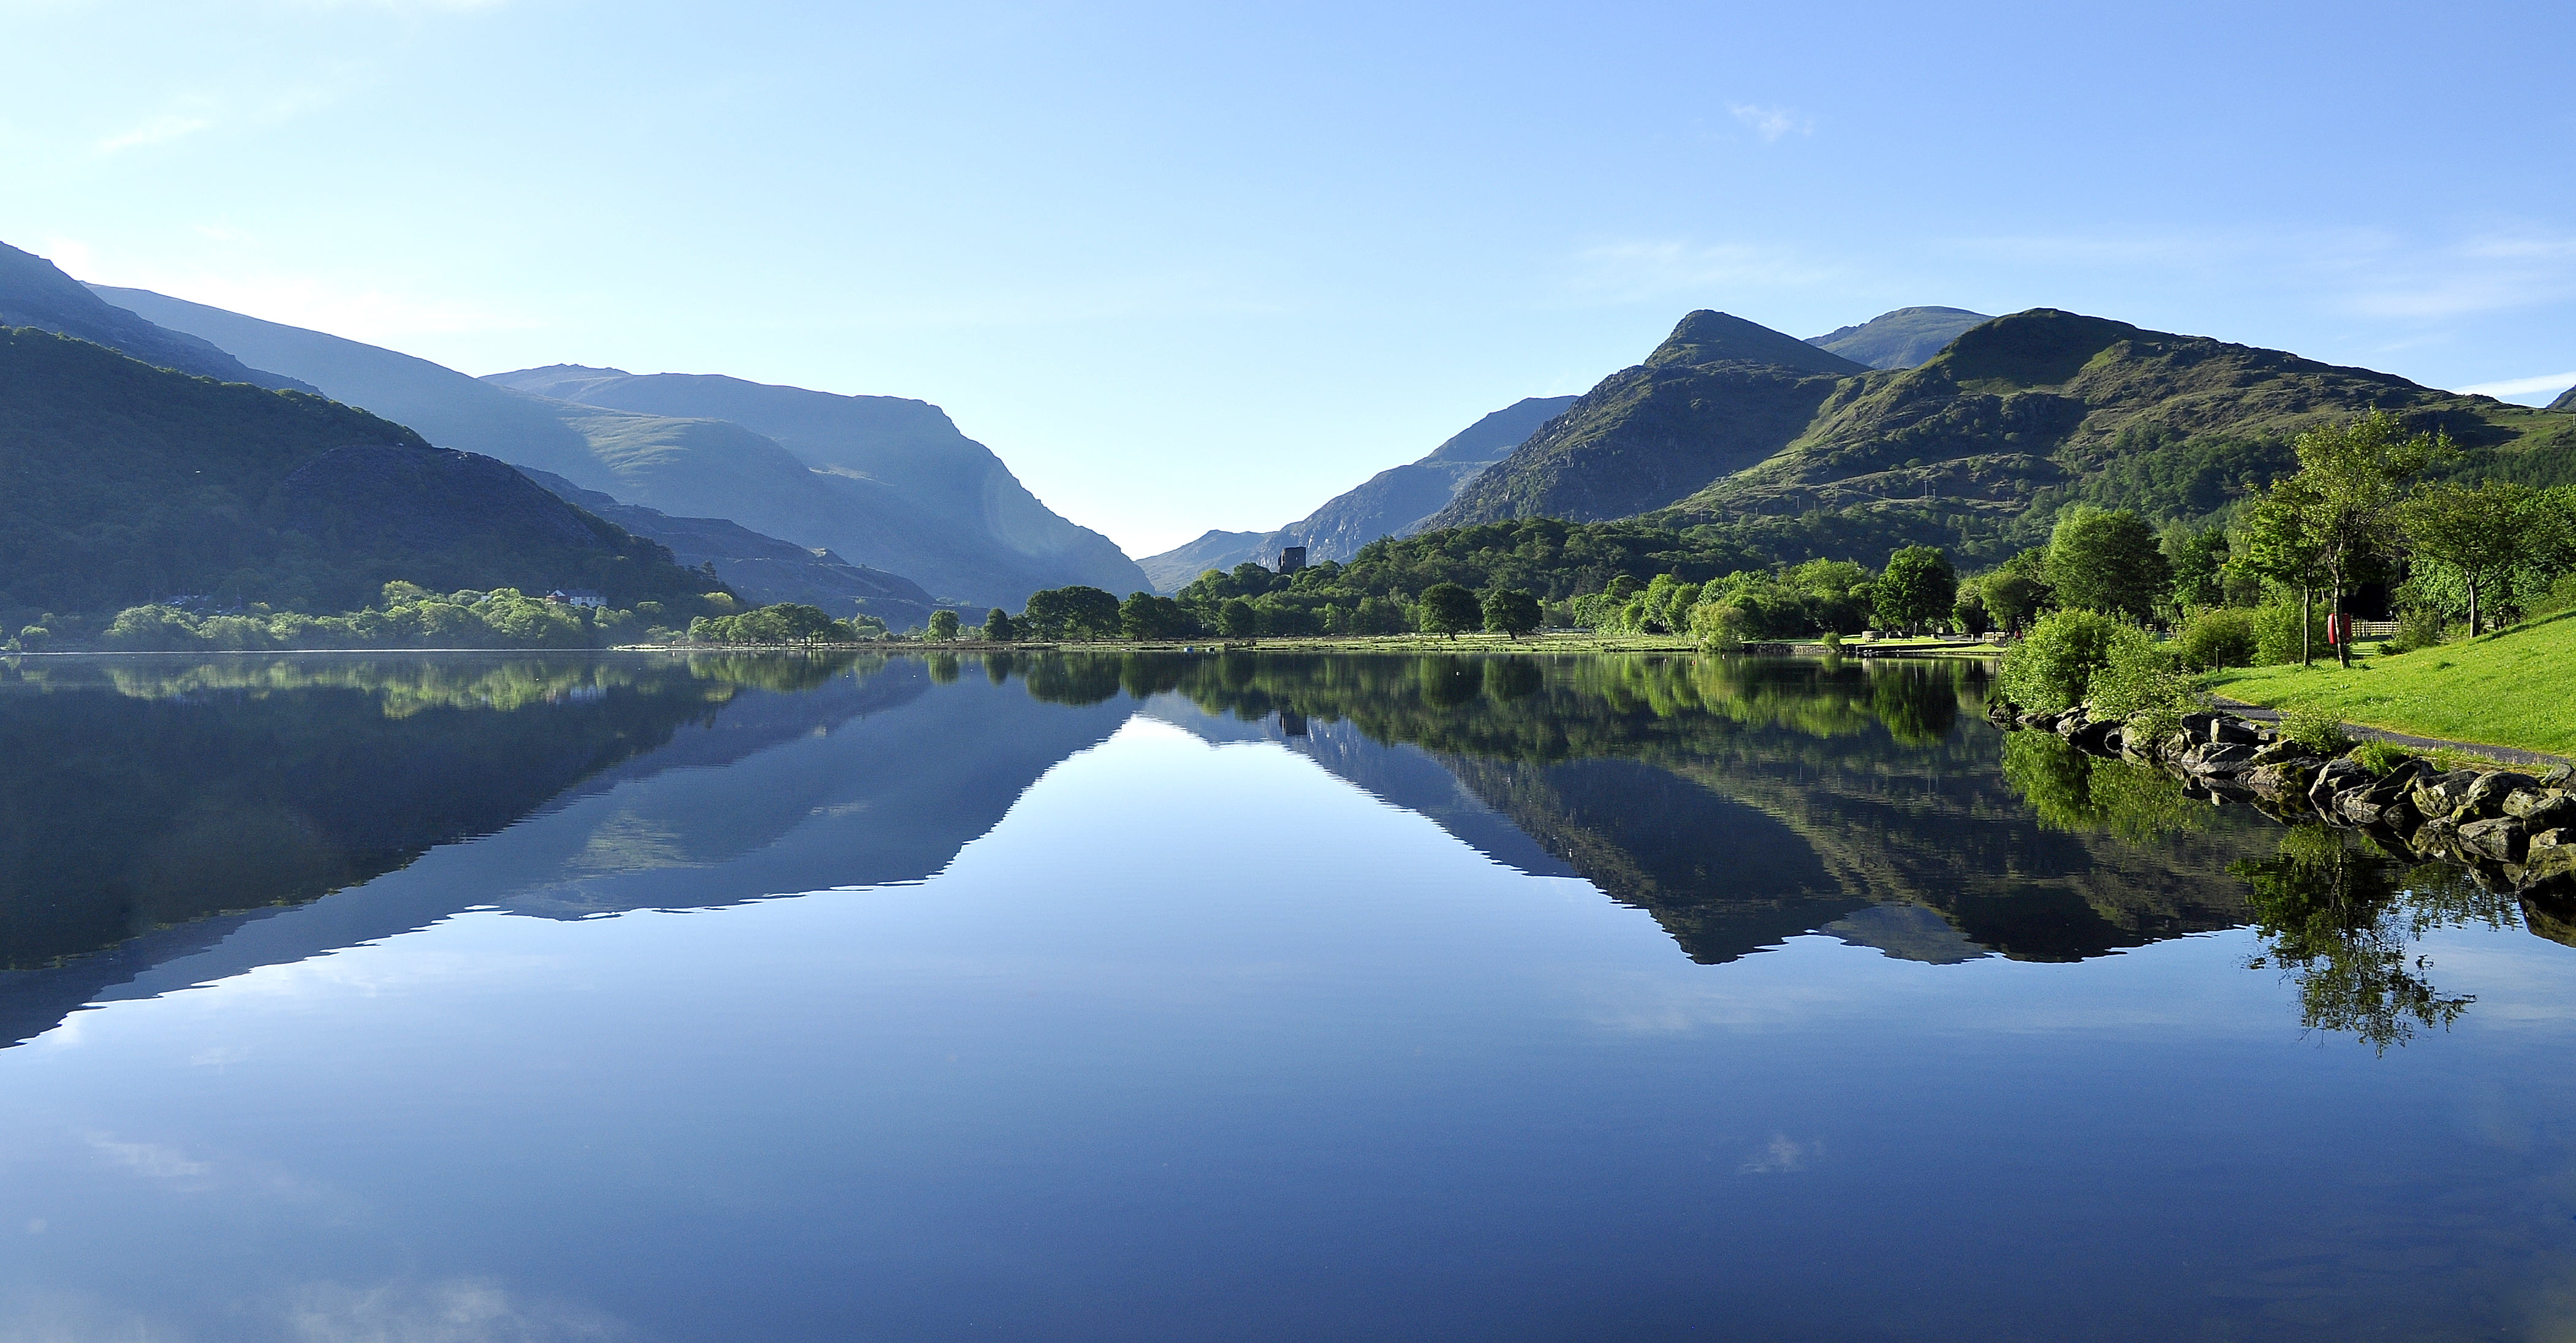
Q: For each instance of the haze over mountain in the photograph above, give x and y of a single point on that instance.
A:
(1899, 339)
(938, 509)
(864, 446)
(1802, 453)
(1394, 502)
(35, 292)
(130, 483)
(762, 569)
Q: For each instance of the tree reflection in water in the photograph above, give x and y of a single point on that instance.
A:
(2343, 922)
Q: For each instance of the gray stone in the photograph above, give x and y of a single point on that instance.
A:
(2233, 730)
(2560, 775)
(2278, 751)
(2230, 760)
(2197, 725)
(2337, 776)
(2486, 796)
(2442, 796)
(2501, 838)
(2541, 810)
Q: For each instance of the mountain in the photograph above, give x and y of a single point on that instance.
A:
(1899, 339)
(1719, 395)
(761, 569)
(700, 467)
(2028, 412)
(2566, 400)
(1795, 455)
(1394, 502)
(1173, 569)
(868, 448)
(129, 483)
(34, 292)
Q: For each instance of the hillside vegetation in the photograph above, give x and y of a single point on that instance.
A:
(35, 292)
(129, 484)
(1795, 454)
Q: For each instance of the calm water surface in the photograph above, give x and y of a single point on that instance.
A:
(1251, 997)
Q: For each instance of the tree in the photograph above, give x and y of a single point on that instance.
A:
(2356, 472)
(1918, 587)
(2280, 546)
(1237, 619)
(2481, 534)
(2107, 561)
(943, 625)
(1970, 611)
(1448, 608)
(1511, 612)
(1145, 616)
(2199, 561)
(1076, 612)
(998, 627)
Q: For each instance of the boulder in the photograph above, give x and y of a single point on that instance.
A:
(2229, 760)
(2280, 778)
(2198, 725)
(2486, 796)
(2560, 775)
(2337, 776)
(2275, 752)
(2095, 736)
(2230, 729)
(2442, 796)
(2501, 838)
(2436, 837)
(2070, 722)
(2553, 863)
(2541, 810)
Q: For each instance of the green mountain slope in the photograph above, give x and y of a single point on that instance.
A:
(34, 292)
(869, 445)
(1719, 395)
(2566, 400)
(684, 466)
(1978, 447)
(1394, 502)
(126, 483)
(1899, 339)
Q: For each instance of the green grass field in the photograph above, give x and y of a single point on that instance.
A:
(2517, 688)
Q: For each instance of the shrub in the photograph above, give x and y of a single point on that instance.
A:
(2379, 757)
(2276, 634)
(2317, 729)
(2221, 637)
(2418, 626)
(2052, 668)
(1719, 626)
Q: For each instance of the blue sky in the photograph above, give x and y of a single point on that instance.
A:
(1188, 266)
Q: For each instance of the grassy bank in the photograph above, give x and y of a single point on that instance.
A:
(2516, 688)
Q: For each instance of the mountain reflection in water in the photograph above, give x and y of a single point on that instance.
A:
(172, 821)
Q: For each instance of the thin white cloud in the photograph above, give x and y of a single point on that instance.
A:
(158, 130)
(150, 1160)
(2547, 382)
(1782, 1156)
(1772, 122)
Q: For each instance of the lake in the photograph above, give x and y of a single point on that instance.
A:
(1242, 996)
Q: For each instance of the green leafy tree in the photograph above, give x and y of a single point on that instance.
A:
(1076, 612)
(2356, 471)
(1511, 612)
(2199, 562)
(1237, 620)
(2280, 546)
(2482, 535)
(1144, 616)
(1918, 587)
(998, 627)
(943, 625)
(1449, 609)
(1969, 610)
(2107, 561)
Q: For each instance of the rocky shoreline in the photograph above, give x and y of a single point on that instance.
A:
(2514, 831)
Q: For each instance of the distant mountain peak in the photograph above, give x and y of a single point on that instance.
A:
(35, 292)
(1708, 337)
(1901, 338)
